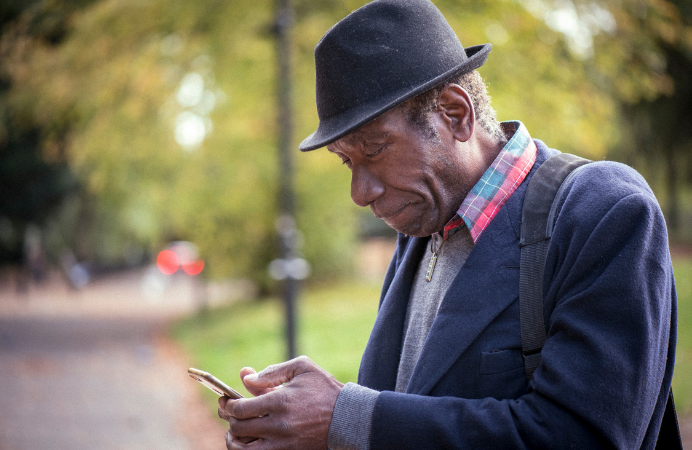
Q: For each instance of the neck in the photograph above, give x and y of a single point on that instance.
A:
(489, 148)
(485, 152)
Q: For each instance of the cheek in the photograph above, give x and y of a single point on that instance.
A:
(432, 183)
(425, 177)
(445, 186)
(419, 187)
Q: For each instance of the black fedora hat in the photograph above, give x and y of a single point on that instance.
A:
(378, 57)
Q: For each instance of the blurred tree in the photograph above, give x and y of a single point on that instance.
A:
(657, 124)
(639, 53)
(165, 112)
(135, 91)
(34, 183)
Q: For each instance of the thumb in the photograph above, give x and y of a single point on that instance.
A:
(277, 374)
(248, 375)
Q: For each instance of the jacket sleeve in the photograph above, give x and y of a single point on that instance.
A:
(607, 363)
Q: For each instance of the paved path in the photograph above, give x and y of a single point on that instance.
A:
(94, 370)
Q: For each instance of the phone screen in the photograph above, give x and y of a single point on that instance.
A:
(213, 383)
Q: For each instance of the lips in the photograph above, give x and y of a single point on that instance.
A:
(390, 214)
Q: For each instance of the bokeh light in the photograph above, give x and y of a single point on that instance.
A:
(168, 262)
(194, 267)
(191, 90)
(190, 130)
(180, 254)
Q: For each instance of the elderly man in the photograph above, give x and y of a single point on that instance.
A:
(401, 105)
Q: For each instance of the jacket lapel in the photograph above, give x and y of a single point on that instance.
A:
(486, 285)
(378, 368)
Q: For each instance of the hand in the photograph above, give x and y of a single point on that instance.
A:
(293, 408)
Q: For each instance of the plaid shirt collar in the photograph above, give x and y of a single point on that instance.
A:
(497, 184)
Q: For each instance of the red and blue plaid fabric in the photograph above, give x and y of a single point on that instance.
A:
(497, 184)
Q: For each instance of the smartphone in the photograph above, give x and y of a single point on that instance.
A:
(213, 383)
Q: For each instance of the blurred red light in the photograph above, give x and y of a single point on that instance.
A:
(193, 268)
(167, 262)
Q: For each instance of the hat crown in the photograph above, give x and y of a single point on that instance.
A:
(378, 57)
(383, 47)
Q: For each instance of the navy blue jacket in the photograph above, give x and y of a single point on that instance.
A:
(610, 315)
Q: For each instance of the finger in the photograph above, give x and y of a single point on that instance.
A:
(229, 441)
(259, 426)
(235, 442)
(251, 388)
(222, 401)
(277, 374)
(246, 371)
(248, 408)
(223, 414)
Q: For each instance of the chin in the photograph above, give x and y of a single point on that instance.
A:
(409, 229)
(416, 226)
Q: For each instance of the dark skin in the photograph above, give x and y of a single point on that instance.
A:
(411, 183)
(292, 409)
(415, 185)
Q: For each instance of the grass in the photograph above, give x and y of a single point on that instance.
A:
(682, 378)
(333, 329)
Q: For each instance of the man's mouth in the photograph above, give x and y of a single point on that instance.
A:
(391, 214)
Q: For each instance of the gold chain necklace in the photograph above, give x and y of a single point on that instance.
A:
(433, 258)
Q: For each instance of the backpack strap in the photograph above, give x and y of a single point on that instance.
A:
(536, 230)
(537, 219)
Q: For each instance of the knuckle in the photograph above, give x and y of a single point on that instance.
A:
(300, 364)
(283, 427)
(304, 359)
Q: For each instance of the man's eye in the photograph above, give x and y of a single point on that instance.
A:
(376, 152)
(345, 161)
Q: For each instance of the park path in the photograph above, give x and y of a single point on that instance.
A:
(94, 369)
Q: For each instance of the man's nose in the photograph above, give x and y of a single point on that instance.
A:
(365, 186)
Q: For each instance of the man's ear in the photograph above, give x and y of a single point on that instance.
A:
(456, 109)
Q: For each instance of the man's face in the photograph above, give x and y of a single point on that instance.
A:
(413, 182)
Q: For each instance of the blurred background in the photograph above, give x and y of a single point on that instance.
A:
(141, 223)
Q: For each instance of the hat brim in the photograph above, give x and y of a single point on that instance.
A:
(336, 127)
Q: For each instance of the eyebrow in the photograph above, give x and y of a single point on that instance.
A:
(349, 138)
(362, 137)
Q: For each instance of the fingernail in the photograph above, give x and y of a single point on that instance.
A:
(251, 377)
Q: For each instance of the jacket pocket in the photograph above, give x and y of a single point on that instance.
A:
(498, 361)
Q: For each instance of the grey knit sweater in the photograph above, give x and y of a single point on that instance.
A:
(351, 423)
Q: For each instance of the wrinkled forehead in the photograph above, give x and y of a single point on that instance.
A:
(376, 131)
